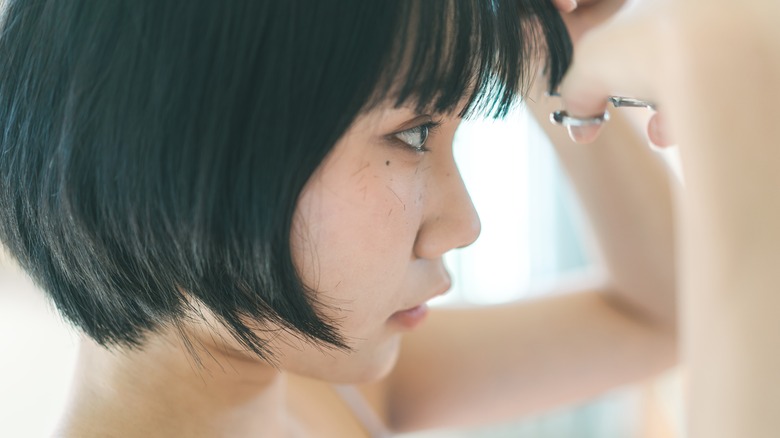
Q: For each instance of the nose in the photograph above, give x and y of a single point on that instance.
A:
(450, 220)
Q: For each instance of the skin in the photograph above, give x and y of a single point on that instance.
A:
(378, 209)
(445, 371)
(565, 348)
(712, 67)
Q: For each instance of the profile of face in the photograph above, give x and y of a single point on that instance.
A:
(372, 225)
(180, 192)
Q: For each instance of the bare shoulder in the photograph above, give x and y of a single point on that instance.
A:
(376, 395)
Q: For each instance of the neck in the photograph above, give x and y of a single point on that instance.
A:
(162, 388)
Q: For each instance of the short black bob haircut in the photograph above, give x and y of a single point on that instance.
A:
(153, 151)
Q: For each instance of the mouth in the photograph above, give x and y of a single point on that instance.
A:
(414, 316)
(410, 318)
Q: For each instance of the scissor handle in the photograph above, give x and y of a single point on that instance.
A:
(563, 118)
(618, 102)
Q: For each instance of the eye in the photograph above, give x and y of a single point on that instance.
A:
(416, 137)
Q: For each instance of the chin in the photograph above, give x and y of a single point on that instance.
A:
(378, 370)
(368, 364)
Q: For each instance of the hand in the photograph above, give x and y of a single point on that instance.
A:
(565, 5)
(618, 58)
(583, 15)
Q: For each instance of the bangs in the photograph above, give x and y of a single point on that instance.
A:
(483, 53)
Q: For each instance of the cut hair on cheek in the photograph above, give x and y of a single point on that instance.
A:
(150, 148)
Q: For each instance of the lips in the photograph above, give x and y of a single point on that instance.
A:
(414, 316)
(410, 318)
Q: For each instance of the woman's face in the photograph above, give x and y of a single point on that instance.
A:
(369, 233)
(372, 225)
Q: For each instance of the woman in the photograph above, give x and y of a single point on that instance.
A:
(243, 204)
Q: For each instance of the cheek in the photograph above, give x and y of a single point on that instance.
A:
(353, 243)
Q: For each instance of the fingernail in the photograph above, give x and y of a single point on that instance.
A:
(572, 5)
(584, 134)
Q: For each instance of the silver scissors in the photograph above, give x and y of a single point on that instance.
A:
(564, 119)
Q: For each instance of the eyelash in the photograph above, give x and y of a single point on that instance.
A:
(427, 128)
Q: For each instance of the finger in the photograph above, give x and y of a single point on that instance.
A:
(565, 5)
(659, 132)
(589, 103)
(610, 61)
(584, 134)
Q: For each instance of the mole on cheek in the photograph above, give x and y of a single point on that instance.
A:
(387, 163)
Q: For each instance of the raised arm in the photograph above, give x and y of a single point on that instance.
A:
(626, 191)
(469, 366)
(713, 67)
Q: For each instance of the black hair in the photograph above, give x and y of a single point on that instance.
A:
(152, 151)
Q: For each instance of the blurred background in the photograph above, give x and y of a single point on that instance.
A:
(534, 241)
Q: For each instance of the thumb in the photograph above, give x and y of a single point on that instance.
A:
(565, 5)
